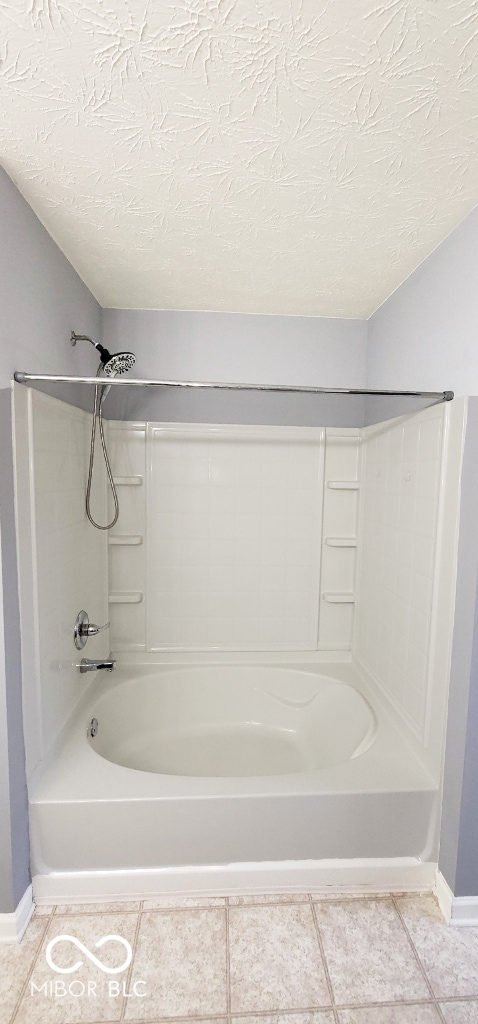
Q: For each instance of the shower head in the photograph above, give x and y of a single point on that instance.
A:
(117, 363)
(113, 364)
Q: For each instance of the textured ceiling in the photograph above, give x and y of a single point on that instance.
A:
(277, 156)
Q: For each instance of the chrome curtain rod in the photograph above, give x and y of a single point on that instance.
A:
(121, 382)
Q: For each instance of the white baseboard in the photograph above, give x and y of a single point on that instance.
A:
(401, 874)
(459, 911)
(13, 926)
(444, 896)
(464, 911)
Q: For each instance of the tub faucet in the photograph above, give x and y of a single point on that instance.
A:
(89, 665)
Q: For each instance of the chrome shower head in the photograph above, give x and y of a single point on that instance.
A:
(117, 363)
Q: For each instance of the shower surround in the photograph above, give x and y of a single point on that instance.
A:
(327, 552)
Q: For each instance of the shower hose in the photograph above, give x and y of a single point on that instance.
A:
(100, 395)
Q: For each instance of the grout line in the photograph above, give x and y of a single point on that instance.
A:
(246, 1014)
(287, 1012)
(139, 910)
(439, 1012)
(166, 1020)
(324, 961)
(266, 1014)
(386, 1005)
(98, 912)
(268, 903)
(417, 958)
(223, 1016)
(352, 898)
(457, 999)
(182, 910)
(131, 967)
(31, 969)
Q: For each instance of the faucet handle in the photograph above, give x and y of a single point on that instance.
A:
(91, 629)
(84, 628)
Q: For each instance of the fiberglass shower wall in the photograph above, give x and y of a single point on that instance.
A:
(232, 537)
(408, 533)
(62, 561)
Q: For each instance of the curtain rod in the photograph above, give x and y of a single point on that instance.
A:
(25, 378)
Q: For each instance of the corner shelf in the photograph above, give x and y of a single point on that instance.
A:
(128, 481)
(123, 597)
(341, 542)
(125, 538)
(343, 485)
(338, 598)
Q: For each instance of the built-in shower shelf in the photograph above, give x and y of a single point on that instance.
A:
(341, 542)
(338, 598)
(128, 481)
(125, 597)
(125, 538)
(343, 485)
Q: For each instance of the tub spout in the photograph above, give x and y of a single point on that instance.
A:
(89, 665)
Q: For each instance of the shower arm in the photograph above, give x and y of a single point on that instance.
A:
(84, 337)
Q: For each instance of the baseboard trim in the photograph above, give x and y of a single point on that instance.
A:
(402, 874)
(444, 896)
(464, 911)
(458, 911)
(13, 926)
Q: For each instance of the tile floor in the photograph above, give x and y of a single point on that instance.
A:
(303, 959)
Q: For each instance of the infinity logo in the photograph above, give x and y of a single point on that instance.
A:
(91, 956)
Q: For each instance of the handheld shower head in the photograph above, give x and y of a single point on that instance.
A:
(111, 365)
(117, 363)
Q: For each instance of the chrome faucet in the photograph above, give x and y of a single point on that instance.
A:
(84, 628)
(90, 665)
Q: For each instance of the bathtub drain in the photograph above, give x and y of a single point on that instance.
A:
(93, 727)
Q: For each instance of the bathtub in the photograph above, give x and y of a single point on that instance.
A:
(173, 770)
(234, 721)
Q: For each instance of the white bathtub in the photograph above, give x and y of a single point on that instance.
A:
(231, 721)
(219, 764)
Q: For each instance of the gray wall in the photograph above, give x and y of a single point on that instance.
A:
(41, 300)
(425, 335)
(238, 348)
(41, 297)
(14, 876)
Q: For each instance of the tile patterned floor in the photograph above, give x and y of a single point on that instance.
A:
(247, 960)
